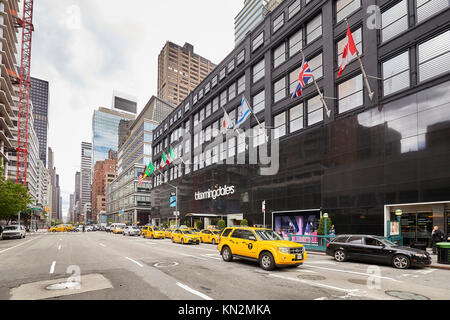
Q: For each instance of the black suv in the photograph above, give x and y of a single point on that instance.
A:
(376, 250)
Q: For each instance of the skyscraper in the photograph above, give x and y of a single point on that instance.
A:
(251, 15)
(180, 71)
(85, 179)
(39, 93)
(105, 131)
(77, 196)
(105, 172)
(124, 102)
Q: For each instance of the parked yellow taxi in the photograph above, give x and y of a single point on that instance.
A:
(153, 233)
(168, 233)
(260, 245)
(209, 236)
(185, 236)
(117, 228)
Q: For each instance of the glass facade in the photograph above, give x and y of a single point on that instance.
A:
(39, 94)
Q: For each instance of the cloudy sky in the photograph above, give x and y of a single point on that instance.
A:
(88, 48)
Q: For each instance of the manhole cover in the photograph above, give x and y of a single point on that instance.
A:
(406, 295)
(358, 281)
(64, 286)
(311, 277)
(165, 264)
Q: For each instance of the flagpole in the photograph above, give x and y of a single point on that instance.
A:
(366, 80)
(318, 89)
(259, 123)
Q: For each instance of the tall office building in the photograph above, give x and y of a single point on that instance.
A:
(123, 102)
(251, 15)
(180, 70)
(105, 132)
(85, 179)
(8, 60)
(58, 200)
(76, 195)
(39, 94)
(52, 172)
(105, 172)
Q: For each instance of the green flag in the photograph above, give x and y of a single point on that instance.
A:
(150, 169)
(172, 155)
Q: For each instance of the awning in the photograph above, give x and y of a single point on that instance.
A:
(205, 215)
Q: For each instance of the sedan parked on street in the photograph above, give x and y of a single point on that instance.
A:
(376, 250)
(131, 231)
(13, 232)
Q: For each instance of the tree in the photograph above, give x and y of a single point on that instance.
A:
(222, 224)
(244, 223)
(14, 198)
(200, 225)
(164, 225)
(187, 223)
(321, 229)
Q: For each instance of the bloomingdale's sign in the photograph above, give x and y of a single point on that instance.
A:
(214, 194)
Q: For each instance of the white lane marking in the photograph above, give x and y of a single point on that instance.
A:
(52, 268)
(134, 261)
(212, 256)
(59, 248)
(18, 245)
(425, 271)
(190, 255)
(102, 245)
(197, 293)
(315, 284)
(358, 273)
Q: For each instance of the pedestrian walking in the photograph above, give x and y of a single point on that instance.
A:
(1, 230)
(436, 237)
(332, 231)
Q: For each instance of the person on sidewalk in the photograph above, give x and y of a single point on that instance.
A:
(332, 231)
(436, 237)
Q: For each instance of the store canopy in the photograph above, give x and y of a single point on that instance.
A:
(204, 215)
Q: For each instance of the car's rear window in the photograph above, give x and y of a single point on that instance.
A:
(226, 232)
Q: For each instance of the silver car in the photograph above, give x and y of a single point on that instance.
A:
(13, 232)
(131, 231)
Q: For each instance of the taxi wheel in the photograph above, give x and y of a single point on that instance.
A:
(226, 254)
(266, 261)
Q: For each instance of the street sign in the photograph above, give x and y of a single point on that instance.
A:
(173, 201)
(176, 213)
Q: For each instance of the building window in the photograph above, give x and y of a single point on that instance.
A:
(207, 87)
(202, 115)
(434, 56)
(315, 110)
(427, 8)
(259, 135)
(394, 21)
(200, 94)
(279, 89)
(258, 71)
(214, 82)
(241, 143)
(296, 118)
(280, 125)
(222, 74)
(215, 104)
(231, 66)
(232, 91)
(240, 57)
(241, 85)
(357, 37)
(294, 8)
(279, 55)
(315, 65)
(295, 43)
(314, 29)
(345, 7)
(195, 99)
(293, 80)
(258, 41)
(215, 154)
(351, 94)
(223, 98)
(278, 23)
(396, 74)
(208, 110)
(195, 163)
(187, 107)
(222, 152)
(232, 147)
(259, 102)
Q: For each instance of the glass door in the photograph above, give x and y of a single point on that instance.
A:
(416, 227)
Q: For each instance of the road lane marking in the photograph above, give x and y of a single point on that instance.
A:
(212, 256)
(59, 248)
(52, 268)
(197, 293)
(358, 273)
(189, 255)
(134, 261)
(18, 245)
(102, 245)
(315, 284)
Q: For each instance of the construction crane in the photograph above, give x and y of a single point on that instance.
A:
(26, 23)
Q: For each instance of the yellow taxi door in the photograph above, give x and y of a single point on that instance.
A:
(249, 244)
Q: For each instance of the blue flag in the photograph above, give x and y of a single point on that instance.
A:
(244, 113)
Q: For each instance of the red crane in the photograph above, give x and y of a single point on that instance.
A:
(24, 92)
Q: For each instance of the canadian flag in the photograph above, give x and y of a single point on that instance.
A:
(350, 52)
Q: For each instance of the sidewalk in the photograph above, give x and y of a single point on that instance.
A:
(434, 264)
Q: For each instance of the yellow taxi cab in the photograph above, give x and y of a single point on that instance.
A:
(117, 228)
(185, 236)
(209, 236)
(153, 232)
(58, 228)
(168, 233)
(260, 245)
(69, 227)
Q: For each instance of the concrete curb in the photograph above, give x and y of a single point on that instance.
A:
(438, 266)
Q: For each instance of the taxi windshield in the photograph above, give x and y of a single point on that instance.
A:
(156, 229)
(187, 231)
(216, 232)
(266, 235)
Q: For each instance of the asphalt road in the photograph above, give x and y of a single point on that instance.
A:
(108, 266)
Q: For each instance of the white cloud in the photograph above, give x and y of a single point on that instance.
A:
(115, 47)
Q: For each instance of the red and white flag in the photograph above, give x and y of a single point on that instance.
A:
(350, 52)
(227, 123)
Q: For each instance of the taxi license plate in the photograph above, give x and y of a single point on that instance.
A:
(299, 257)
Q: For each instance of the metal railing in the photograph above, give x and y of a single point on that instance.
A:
(312, 242)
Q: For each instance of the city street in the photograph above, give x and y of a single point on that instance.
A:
(117, 267)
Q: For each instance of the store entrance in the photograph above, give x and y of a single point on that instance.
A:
(417, 227)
